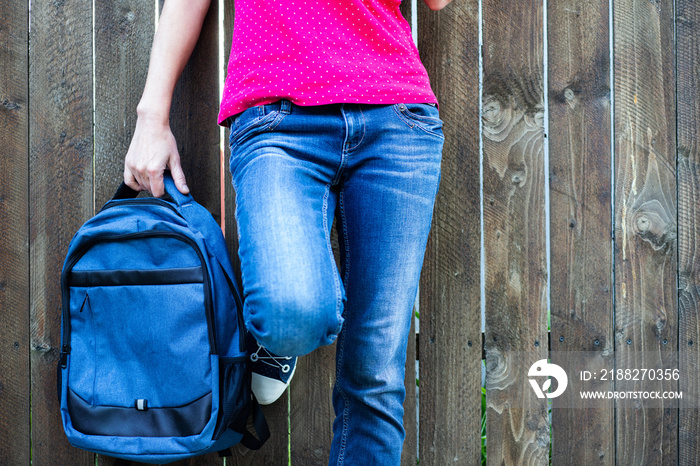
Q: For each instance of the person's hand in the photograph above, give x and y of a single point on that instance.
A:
(436, 5)
(153, 150)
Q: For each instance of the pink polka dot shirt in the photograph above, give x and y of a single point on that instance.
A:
(316, 52)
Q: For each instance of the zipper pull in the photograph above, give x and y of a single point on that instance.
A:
(86, 300)
(65, 351)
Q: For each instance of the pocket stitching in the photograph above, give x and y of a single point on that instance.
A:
(413, 120)
(260, 123)
(416, 116)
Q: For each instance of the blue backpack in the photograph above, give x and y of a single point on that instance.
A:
(153, 364)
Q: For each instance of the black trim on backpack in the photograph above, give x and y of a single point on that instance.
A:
(180, 421)
(131, 277)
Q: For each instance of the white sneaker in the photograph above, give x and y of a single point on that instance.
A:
(271, 374)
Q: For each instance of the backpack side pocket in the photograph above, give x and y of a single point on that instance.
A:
(235, 395)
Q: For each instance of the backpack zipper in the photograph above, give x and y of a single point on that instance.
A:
(83, 248)
(146, 200)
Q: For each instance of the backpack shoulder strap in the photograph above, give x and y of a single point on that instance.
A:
(261, 429)
(260, 426)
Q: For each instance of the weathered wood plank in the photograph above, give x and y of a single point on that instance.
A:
(688, 124)
(450, 313)
(311, 416)
(276, 450)
(580, 218)
(514, 230)
(645, 221)
(61, 196)
(123, 36)
(193, 117)
(14, 233)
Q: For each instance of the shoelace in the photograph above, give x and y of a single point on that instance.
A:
(255, 357)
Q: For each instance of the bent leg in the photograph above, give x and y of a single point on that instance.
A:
(293, 294)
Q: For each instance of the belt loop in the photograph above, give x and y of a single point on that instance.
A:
(285, 106)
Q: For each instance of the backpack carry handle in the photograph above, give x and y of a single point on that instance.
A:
(125, 192)
(170, 188)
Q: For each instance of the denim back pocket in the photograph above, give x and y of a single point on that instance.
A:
(421, 116)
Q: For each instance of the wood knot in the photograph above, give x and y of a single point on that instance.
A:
(497, 118)
(493, 112)
(535, 120)
(653, 225)
(127, 17)
(642, 223)
(495, 362)
(570, 97)
(10, 105)
(661, 319)
(518, 178)
(48, 352)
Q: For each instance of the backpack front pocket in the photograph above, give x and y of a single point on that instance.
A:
(140, 347)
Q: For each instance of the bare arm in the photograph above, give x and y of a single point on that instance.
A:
(437, 4)
(153, 148)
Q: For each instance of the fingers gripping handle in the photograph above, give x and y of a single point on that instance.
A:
(125, 192)
(170, 188)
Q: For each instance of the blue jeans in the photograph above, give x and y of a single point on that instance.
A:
(376, 168)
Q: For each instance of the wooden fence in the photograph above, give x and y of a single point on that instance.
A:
(588, 141)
